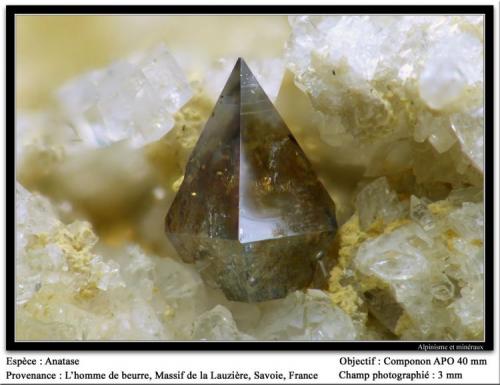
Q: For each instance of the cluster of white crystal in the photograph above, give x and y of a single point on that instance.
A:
(65, 289)
(301, 316)
(378, 201)
(218, 324)
(431, 262)
(304, 316)
(130, 99)
(397, 88)
(69, 286)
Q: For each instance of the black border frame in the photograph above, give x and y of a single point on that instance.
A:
(13, 345)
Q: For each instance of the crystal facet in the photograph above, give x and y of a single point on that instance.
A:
(250, 212)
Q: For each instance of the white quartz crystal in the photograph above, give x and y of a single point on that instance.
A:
(217, 325)
(378, 201)
(380, 83)
(454, 60)
(304, 316)
(431, 264)
(64, 283)
(131, 99)
(34, 214)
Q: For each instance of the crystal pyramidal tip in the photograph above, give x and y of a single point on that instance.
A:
(251, 212)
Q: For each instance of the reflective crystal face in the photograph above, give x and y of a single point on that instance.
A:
(250, 212)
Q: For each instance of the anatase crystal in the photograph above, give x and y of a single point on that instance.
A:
(250, 211)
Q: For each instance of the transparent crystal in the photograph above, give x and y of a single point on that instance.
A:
(217, 325)
(250, 210)
(304, 316)
(425, 272)
(420, 213)
(386, 97)
(378, 201)
(129, 100)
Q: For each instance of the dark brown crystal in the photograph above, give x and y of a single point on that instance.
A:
(250, 211)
